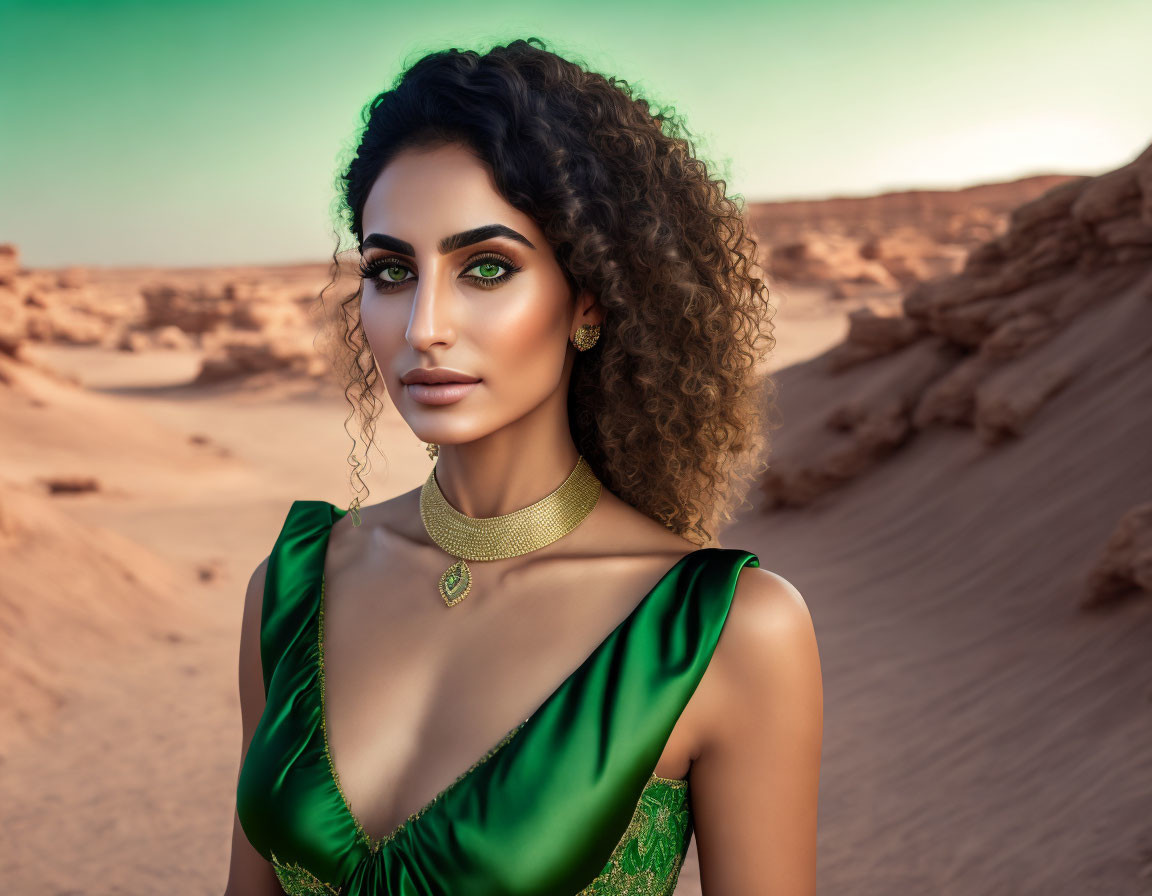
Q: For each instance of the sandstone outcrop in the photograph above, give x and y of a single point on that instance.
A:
(1125, 566)
(892, 241)
(1065, 290)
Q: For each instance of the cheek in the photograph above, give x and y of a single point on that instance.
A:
(521, 339)
(384, 325)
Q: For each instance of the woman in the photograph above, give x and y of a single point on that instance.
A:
(457, 691)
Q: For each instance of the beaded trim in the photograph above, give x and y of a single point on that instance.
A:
(374, 844)
(297, 880)
(671, 782)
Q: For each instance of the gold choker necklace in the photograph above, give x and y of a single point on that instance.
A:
(508, 535)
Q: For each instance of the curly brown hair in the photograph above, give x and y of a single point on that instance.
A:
(670, 407)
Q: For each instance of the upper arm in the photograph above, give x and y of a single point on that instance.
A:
(251, 679)
(249, 872)
(755, 781)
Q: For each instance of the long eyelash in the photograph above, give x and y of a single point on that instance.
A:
(370, 270)
(510, 269)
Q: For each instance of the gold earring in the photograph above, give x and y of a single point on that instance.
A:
(586, 336)
(432, 448)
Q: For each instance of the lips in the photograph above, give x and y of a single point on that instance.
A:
(435, 376)
(439, 393)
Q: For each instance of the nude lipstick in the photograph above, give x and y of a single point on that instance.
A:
(438, 385)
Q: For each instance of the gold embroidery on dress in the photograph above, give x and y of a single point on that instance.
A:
(361, 833)
(647, 859)
(297, 880)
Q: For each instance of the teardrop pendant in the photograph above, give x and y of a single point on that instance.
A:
(455, 582)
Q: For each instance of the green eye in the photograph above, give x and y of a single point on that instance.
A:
(385, 273)
(388, 275)
(488, 268)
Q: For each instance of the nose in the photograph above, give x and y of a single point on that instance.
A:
(431, 320)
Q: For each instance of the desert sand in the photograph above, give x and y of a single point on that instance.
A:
(960, 489)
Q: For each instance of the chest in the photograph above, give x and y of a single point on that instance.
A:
(414, 691)
(558, 805)
(290, 767)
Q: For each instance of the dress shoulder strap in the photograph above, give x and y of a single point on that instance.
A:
(292, 584)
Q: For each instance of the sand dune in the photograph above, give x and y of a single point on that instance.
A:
(943, 490)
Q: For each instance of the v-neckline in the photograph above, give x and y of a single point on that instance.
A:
(374, 843)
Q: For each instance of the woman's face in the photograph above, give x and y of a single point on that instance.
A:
(460, 279)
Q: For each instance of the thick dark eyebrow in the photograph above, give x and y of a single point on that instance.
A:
(449, 243)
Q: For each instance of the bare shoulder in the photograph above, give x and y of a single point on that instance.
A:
(395, 511)
(766, 654)
(622, 529)
(399, 515)
(756, 777)
(767, 611)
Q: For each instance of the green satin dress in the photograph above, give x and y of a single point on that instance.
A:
(566, 804)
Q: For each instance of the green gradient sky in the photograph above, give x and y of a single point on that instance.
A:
(207, 133)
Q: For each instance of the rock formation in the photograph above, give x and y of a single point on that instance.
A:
(1064, 294)
(892, 241)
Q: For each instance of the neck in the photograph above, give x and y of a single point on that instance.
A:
(510, 468)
